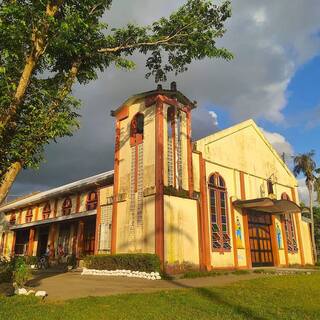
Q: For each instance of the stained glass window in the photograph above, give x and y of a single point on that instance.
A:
(92, 200)
(66, 206)
(289, 228)
(29, 215)
(46, 211)
(219, 213)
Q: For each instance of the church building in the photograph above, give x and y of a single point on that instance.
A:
(226, 201)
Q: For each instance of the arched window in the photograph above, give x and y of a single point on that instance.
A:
(92, 200)
(13, 218)
(66, 206)
(46, 211)
(219, 213)
(289, 228)
(29, 215)
(136, 129)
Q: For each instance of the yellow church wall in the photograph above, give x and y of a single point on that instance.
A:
(180, 230)
(148, 238)
(244, 148)
(195, 170)
(307, 242)
(144, 240)
(105, 194)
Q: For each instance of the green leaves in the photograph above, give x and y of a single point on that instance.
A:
(74, 46)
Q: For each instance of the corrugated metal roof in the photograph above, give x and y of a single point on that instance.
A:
(67, 188)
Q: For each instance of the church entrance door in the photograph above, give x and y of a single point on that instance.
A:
(260, 239)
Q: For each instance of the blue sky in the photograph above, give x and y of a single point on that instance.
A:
(301, 125)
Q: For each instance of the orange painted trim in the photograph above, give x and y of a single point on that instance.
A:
(31, 241)
(206, 262)
(98, 222)
(285, 244)
(245, 221)
(37, 213)
(123, 113)
(274, 244)
(78, 203)
(115, 190)
(200, 237)
(80, 238)
(13, 244)
(159, 197)
(297, 220)
(5, 244)
(246, 239)
(149, 101)
(234, 238)
(52, 239)
(20, 216)
(242, 186)
(74, 239)
(55, 208)
(189, 152)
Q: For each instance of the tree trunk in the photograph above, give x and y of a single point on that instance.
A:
(8, 180)
(39, 43)
(310, 188)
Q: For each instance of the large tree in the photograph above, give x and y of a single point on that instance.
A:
(305, 164)
(47, 46)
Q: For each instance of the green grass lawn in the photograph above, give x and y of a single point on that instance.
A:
(275, 297)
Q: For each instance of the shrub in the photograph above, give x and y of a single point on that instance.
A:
(202, 274)
(31, 260)
(6, 270)
(241, 272)
(21, 271)
(146, 262)
(72, 261)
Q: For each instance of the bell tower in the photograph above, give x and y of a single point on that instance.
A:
(153, 157)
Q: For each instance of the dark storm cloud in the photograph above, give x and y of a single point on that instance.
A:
(270, 40)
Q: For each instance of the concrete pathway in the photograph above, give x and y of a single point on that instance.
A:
(73, 285)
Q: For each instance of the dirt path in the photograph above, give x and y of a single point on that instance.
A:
(73, 285)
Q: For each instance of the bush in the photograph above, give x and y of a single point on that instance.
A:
(72, 261)
(241, 272)
(6, 270)
(202, 274)
(31, 260)
(21, 271)
(146, 262)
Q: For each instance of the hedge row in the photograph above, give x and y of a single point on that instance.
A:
(146, 262)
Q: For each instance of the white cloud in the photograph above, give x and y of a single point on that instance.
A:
(214, 117)
(279, 142)
(303, 191)
(260, 16)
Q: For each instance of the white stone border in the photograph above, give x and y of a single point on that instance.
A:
(121, 273)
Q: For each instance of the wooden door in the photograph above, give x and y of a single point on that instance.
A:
(260, 239)
(89, 237)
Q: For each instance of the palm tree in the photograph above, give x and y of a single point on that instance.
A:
(304, 163)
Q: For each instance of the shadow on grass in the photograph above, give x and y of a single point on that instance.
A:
(211, 296)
